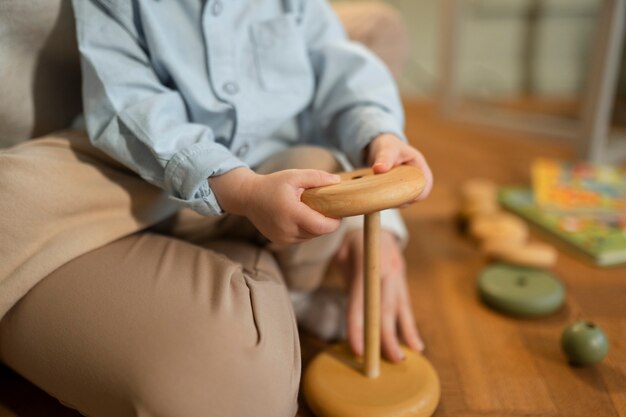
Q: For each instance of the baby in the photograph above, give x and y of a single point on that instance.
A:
(220, 102)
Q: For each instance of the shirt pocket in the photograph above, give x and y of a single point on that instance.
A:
(281, 56)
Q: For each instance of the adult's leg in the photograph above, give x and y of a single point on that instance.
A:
(60, 198)
(151, 326)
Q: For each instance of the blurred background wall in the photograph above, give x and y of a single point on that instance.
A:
(508, 49)
(534, 65)
(496, 38)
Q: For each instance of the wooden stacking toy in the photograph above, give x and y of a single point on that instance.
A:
(502, 236)
(336, 383)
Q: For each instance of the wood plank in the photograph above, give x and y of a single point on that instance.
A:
(503, 366)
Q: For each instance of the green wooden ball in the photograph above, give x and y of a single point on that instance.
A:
(584, 343)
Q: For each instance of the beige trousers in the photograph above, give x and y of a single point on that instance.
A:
(136, 312)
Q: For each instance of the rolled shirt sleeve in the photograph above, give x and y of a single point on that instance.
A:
(136, 117)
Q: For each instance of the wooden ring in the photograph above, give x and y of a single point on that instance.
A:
(363, 192)
(520, 291)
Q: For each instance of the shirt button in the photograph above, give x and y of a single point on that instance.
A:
(243, 150)
(231, 87)
(217, 8)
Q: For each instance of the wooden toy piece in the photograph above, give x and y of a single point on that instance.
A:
(472, 209)
(502, 236)
(502, 226)
(334, 387)
(479, 189)
(584, 343)
(479, 197)
(532, 254)
(362, 192)
(371, 310)
(520, 291)
(335, 383)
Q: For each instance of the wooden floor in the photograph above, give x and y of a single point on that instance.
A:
(489, 364)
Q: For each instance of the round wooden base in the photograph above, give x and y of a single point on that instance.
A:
(334, 386)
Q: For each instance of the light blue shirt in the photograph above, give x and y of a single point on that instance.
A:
(180, 91)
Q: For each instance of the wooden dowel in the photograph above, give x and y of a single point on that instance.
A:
(371, 306)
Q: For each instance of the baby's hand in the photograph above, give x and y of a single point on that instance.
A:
(387, 151)
(397, 321)
(272, 202)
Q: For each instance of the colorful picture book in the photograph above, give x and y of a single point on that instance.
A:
(600, 236)
(579, 187)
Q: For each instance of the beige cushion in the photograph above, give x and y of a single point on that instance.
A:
(39, 69)
(380, 27)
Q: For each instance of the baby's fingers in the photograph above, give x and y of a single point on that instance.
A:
(313, 222)
(354, 312)
(410, 335)
(311, 178)
(385, 159)
(389, 312)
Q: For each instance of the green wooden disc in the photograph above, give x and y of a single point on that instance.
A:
(520, 291)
